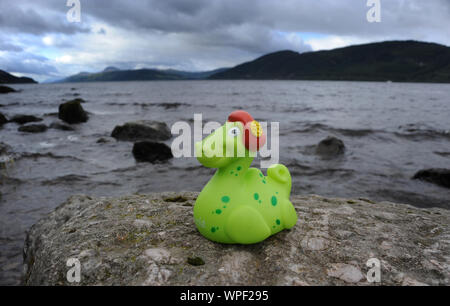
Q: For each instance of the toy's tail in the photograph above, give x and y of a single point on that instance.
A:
(281, 174)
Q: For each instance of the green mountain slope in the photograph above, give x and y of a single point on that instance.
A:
(402, 61)
(114, 74)
(6, 78)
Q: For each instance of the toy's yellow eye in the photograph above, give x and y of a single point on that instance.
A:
(256, 128)
(234, 131)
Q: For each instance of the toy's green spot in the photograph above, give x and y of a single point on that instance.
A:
(256, 196)
(264, 182)
(273, 200)
(261, 175)
(278, 221)
(276, 192)
(213, 229)
(273, 226)
(235, 174)
(231, 172)
(259, 201)
(224, 206)
(225, 199)
(218, 211)
(239, 168)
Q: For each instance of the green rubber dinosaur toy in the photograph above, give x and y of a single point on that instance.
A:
(239, 204)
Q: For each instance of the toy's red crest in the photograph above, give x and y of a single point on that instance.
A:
(254, 137)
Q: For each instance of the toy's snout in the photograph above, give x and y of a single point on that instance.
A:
(206, 155)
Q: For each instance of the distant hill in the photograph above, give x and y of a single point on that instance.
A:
(401, 61)
(114, 74)
(110, 68)
(195, 75)
(6, 78)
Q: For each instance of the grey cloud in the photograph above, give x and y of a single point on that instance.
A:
(199, 34)
(5, 46)
(36, 18)
(23, 62)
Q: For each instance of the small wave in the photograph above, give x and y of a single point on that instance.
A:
(419, 131)
(444, 154)
(300, 110)
(314, 127)
(70, 178)
(165, 105)
(46, 144)
(47, 155)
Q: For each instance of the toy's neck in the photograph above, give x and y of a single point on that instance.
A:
(240, 164)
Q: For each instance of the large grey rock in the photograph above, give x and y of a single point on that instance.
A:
(148, 240)
(142, 130)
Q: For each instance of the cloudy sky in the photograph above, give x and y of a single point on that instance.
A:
(37, 40)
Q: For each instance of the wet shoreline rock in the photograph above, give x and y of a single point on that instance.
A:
(6, 89)
(149, 151)
(72, 112)
(33, 128)
(330, 147)
(148, 240)
(142, 130)
(438, 176)
(22, 119)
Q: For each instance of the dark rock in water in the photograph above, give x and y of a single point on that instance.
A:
(3, 119)
(33, 128)
(330, 146)
(438, 176)
(72, 112)
(148, 151)
(142, 130)
(61, 126)
(22, 119)
(6, 89)
(144, 240)
(105, 140)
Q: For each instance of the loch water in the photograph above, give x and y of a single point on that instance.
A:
(390, 130)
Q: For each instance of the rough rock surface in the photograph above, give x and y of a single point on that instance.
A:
(72, 112)
(148, 240)
(149, 151)
(438, 176)
(142, 130)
